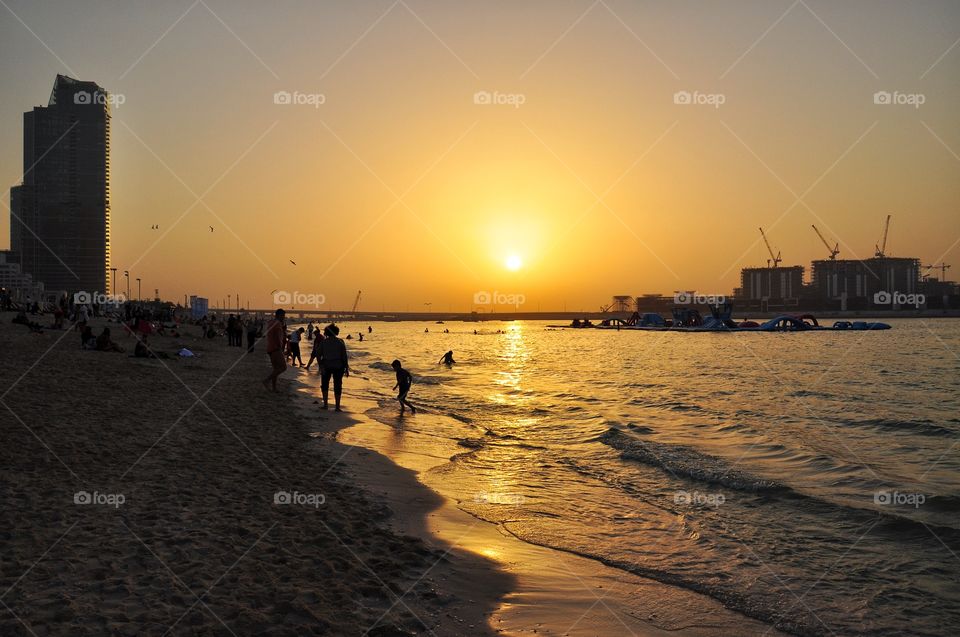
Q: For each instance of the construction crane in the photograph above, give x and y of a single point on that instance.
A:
(356, 302)
(882, 248)
(775, 258)
(834, 251)
(943, 267)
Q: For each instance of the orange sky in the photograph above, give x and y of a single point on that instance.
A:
(401, 185)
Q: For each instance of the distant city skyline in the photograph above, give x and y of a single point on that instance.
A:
(561, 152)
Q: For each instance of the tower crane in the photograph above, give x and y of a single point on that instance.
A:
(356, 302)
(834, 251)
(882, 248)
(943, 267)
(775, 258)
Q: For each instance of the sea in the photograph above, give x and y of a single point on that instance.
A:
(808, 480)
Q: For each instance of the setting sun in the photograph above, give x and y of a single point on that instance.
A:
(513, 263)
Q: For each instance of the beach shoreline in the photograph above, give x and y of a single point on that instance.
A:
(547, 591)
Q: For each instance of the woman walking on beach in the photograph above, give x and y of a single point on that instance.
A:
(276, 341)
(333, 362)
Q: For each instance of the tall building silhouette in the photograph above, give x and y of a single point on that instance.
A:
(60, 214)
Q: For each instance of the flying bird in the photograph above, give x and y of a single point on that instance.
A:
(211, 228)
(293, 262)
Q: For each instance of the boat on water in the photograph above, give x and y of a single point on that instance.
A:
(689, 319)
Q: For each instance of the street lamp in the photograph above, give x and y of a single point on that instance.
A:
(138, 288)
(126, 273)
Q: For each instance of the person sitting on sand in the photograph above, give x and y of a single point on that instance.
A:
(276, 338)
(333, 362)
(142, 351)
(106, 344)
(87, 339)
(404, 380)
(447, 359)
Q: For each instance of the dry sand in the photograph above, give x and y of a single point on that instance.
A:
(183, 459)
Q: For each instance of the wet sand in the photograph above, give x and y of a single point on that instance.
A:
(178, 497)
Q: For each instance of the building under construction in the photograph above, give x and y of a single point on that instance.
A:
(772, 287)
(854, 284)
(835, 284)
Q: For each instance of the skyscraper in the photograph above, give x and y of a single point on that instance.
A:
(60, 214)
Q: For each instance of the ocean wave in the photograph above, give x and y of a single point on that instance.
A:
(808, 393)
(923, 427)
(673, 405)
(687, 462)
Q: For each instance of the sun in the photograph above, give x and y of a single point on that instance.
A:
(513, 263)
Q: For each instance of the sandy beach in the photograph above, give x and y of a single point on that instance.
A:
(156, 497)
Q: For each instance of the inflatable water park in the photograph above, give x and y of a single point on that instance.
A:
(689, 319)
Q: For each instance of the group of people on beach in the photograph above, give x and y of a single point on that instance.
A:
(329, 351)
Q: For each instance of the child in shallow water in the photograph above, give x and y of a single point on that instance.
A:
(404, 380)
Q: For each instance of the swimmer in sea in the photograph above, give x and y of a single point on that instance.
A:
(447, 359)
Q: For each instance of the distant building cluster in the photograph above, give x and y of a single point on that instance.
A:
(877, 284)
(60, 213)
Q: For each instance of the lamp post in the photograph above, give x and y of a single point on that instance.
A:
(138, 288)
(126, 273)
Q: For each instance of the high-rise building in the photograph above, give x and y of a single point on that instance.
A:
(60, 214)
(770, 287)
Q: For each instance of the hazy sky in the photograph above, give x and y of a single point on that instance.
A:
(584, 166)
